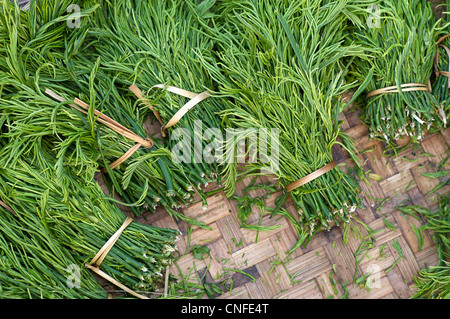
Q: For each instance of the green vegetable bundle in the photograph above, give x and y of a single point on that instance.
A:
(34, 120)
(399, 100)
(162, 53)
(284, 68)
(441, 84)
(82, 218)
(434, 281)
(33, 264)
(441, 89)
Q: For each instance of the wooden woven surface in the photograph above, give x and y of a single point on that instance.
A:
(307, 272)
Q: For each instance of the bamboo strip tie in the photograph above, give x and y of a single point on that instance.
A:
(115, 126)
(166, 282)
(133, 88)
(404, 88)
(103, 252)
(436, 59)
(310, 177)
(5, 206)
(195, 98)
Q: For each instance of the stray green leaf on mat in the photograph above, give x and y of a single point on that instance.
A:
(375, 199)
(253, 279)
(382, 255)
(382, 203)
(410, 159)
(439, 186)
(375, 177)
(409, 185)
(419, 234)
(389, 225)
(398, 248)
(393, 265)
(436, 175)
(427, 154)
(199, 251)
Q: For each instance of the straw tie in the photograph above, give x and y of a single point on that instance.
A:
(5, 206)
(103, 252)
(404, 88)
(115, 126)
(195, 98)
(436, 59)
(310, 177)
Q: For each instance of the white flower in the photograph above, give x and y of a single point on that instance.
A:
(168, 249)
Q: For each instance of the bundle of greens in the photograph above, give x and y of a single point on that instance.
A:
(441, 84)
(34, 264)
(402, 42)
(283, 67)
(82, 219)
(434, 281)
(33, 120)
(153, 46)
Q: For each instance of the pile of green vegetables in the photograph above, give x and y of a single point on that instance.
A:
(441, 84)
(402, 44)
(49, 155)
(165, 54)
(148, 179)
(274, 74)
(80, 218)
(284, 67)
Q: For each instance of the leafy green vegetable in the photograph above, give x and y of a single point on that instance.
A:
(403, 50)
(199, 251)
(294, 89)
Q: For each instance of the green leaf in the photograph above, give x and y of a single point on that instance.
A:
(436, 175)
(389, 224)
(375, 177)
(199, 251)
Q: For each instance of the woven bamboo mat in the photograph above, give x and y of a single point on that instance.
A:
(321, 269)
